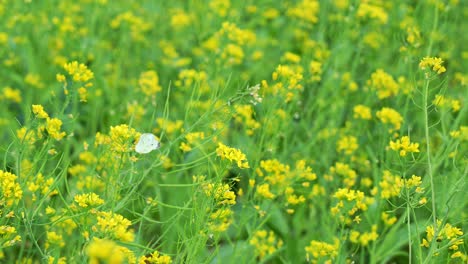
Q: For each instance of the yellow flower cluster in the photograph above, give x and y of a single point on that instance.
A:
(188, 78)
(388, 221)
(461, 133)
(11, 94)
(79, 73)
(265, 243)
(375, 12)
(168, 126)
(291, 57)
(155, 258)
(383, 83)
(237, 35)
(192, 138)
(448, 234)
(404, 145)
(232, 154)
(433, 63)
(220, 214)
(220, 219)
(149, 83)
(34, 80)
(180, 19)
(347, 144)
(293, 76)
(346, 172)
(114, 226)
(322, 250)
(364, 238)
(362, 112)
(88, 199)
(390, 185)
(220, 7)
(234, 39)
(135, 111)
(348, 83)
(221, 194)
(305, 11)
(350, 202)
(54, 239)
(137, 25)
(315, 70)
(120, 138)
(414, 181)
(277, 180)
(52, 126)
(446, 102)
(171, 56)
(8, 236)
(244, 116)
(390, 116)
(108, 251)
(39, 111)
(42, 184)
(11, 192)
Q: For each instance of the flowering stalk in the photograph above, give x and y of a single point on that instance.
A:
(432, 67)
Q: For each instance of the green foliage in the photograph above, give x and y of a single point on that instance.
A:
(293, 132)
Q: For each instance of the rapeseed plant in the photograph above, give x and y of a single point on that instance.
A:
(291, 132)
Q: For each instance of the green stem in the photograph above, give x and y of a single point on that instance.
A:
(434, 27)
(426, 129)
(428, 151)
(408, 215)
(429, 165)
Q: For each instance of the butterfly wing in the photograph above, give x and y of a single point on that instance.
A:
(146, 143)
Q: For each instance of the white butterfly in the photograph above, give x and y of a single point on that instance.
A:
(147, 143)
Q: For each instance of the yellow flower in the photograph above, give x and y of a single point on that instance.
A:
(114, 226)
(347, 144)
(11, 94)
(88, 199)
(291, 57)
(265, 243)
(244, 116)
(121, 138)
(389, 115)
(362, 112)
(220, 220)
(366, 10)
(10, 189)
(38, 110)
(404, 146)
(319, 249)
(390, 185)
(388, 220)
(53, 238)
(149, 83)
(221, 193)
(53, 126)
(232, 154)
(102, 250)
(315, 69)
(78, 71)
(9, 236)
(306, 11)
(155, 258)
(264, 191)
(383, 83)
(434, 62)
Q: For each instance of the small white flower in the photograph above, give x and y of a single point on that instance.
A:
(254, 93)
